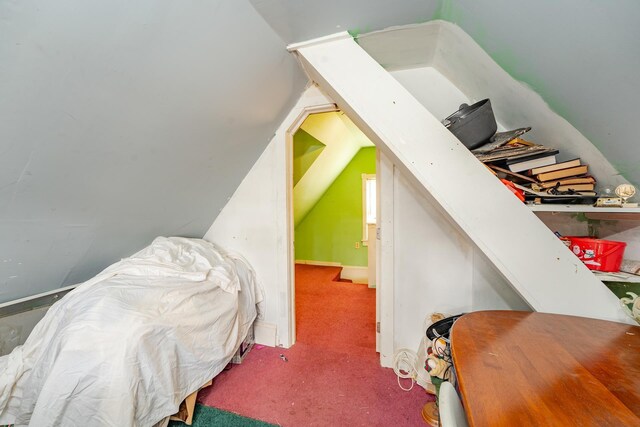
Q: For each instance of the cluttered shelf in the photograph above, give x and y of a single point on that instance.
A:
(535, 173)
(589, 211)
(582, 208)
(546, 182)
(617, 276)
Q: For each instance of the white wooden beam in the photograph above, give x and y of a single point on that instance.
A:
(527, 254)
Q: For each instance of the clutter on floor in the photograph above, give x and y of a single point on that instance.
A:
(409, 366)
(129, 345)
(439, 363)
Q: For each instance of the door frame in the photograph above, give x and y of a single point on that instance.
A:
(384, 246)
(291, 253)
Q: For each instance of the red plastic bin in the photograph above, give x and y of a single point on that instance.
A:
(597, 254)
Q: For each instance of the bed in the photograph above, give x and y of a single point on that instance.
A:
(127, 346)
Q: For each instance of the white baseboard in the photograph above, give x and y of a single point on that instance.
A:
(356, 274)
(321, 263)
(265, 333)
(386, 361)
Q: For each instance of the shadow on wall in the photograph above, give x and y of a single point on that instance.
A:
(333, 227)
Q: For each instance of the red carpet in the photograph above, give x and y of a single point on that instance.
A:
(332, 376)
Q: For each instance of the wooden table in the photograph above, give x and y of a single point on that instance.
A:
(529, 369)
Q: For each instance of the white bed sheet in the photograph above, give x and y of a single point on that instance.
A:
(126, 347)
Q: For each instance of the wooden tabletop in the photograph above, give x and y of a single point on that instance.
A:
(523, 369)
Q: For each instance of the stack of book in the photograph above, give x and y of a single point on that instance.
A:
(536, 167)
(564, 177)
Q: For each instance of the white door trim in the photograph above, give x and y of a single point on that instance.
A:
(385, 268)
(291, 257)
(384, 250)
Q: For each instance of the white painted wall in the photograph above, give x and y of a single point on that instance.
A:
(14, 330)
(490, 290)
(439, 165)
(115, 115)
(453, 53)
(436, 265)
(625, 231)
(437, 268)
(462, 60)
(254, 221)
(437, 93)
(434, 268)
(433, 264)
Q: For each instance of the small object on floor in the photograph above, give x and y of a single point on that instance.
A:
(430, 414)
(244, 347)
(284, 358)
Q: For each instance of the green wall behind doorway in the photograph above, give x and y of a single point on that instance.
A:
(332, 227)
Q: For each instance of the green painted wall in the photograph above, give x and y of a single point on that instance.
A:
(332, 227)
(306, 150)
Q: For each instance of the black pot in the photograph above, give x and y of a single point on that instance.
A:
(442, 328)
(473, 124)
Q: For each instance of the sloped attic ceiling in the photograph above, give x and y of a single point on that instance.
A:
(122, 121)
(581, 57)
(342, 140)
(126, 120)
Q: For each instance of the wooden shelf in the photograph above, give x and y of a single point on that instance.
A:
(581, 208)
(591, 212)
(617, 277)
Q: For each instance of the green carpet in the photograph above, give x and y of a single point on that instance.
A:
(206, 416)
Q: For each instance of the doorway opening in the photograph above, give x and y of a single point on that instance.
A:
(333, 208)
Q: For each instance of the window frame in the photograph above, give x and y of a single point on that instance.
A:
(365, 231)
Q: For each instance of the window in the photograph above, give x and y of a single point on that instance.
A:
(368, 204)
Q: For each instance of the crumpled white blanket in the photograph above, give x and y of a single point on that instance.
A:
(126, 347)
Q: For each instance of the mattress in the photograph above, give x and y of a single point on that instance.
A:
(127, 346)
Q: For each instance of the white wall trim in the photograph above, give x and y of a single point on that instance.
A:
(256, 220)
(265, 333)
(355, 273)
(385, 267)
(320, 263)
(287, 143)
(34, 301)
(320, 40)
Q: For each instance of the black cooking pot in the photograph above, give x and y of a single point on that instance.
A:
(442, 327)
(473, 124)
